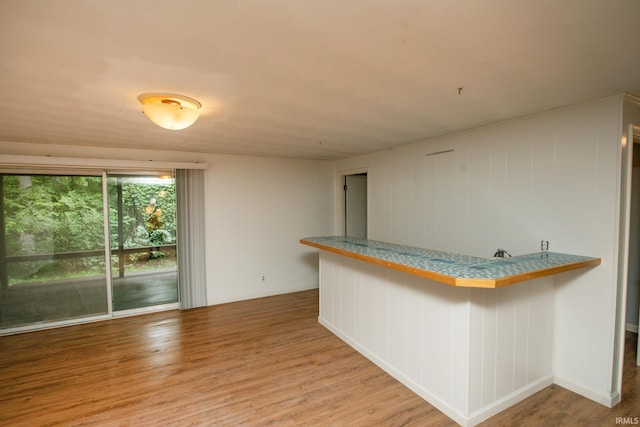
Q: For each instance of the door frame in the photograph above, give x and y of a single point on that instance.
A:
(340, 202)
(117, 173)
(629, 135)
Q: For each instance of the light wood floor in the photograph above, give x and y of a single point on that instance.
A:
(258, 362)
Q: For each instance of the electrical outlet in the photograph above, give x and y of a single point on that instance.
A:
(544, 245)
(263, 278)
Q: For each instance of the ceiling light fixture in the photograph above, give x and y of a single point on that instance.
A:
(170, 111)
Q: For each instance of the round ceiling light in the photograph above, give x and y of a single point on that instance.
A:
(170, 111)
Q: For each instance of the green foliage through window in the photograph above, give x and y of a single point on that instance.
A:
(137, 194)
(50, 214)
(47, 214)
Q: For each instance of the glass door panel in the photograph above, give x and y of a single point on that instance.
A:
(52, 260)
(142, 228)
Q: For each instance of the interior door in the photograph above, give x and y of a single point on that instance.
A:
(356, 205)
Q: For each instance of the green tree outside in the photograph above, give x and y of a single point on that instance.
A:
(59, 214)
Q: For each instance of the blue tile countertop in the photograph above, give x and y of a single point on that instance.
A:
(452, 269)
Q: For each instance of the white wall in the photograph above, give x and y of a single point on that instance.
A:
(258, 208)
(553, 176)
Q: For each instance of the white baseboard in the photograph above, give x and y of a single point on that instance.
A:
(631, 327)
(603, 399)
(509, 400)
(254, 295)
(451, 412)
(431, 398)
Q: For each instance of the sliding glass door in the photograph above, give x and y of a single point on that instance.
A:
(54, 268)
(52, 252)
(142, 232)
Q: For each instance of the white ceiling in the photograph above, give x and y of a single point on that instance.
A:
(324, 79)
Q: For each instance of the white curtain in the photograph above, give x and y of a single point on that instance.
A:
(190, 235)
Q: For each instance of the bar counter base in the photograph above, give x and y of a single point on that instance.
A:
(470, 352)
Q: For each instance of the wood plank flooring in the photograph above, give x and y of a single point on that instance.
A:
(260, 362)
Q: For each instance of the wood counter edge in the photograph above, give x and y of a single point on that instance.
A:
(535, 274)
(395, 266)
(460, 282)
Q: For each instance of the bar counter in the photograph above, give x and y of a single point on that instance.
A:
(453, 269)
(471, 349)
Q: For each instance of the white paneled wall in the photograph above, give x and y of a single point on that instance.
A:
(469, 352)
(508, 185)
(392, 309)
(554, 176)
